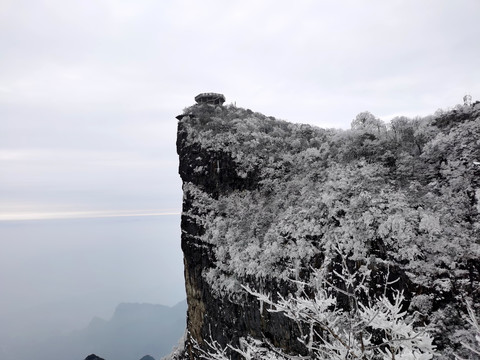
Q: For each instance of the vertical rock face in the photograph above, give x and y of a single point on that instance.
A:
(266, 201)
(207, 174)
(210, 174)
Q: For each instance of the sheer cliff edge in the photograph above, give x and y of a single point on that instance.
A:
(268, 203)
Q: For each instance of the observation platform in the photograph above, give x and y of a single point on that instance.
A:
(210, 98)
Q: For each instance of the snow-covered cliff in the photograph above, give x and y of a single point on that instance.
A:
(267, 202)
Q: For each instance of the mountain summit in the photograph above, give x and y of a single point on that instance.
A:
(275, 211)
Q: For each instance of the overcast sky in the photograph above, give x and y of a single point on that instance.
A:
(89, 89)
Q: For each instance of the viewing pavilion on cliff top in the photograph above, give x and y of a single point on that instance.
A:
(210, 98)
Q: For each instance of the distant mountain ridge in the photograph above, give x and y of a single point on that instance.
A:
(134, 331)
(95, 357)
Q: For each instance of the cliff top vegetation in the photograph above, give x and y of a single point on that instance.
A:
(402, 195)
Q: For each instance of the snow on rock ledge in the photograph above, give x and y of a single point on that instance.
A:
(266, 201)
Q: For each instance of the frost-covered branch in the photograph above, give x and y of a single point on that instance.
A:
(472, 320)
(376, 328)
(249, 349)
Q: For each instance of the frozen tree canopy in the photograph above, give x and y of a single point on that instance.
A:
(266, 202)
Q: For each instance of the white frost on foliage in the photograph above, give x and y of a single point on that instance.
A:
(443, 285)
(430, 224)
(399, 333)
(317, 195)
(221, 283)
(477, 197)
(331, 333)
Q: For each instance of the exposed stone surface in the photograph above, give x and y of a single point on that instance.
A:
(210, 316)
(216, 171)
(93, 357)
(147, 357)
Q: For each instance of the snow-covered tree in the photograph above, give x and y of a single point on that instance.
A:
(406, 196)
(368, 122)
(369, 327)
(473, 349)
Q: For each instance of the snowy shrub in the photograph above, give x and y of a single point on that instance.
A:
(377, 328)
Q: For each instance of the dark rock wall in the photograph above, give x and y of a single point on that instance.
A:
(209, 316)
(225, 319)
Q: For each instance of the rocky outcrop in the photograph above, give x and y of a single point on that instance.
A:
(147, 357)
(93, 357)
(265, 200)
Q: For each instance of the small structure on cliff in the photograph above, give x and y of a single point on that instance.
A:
(205, 98)
(210, 98)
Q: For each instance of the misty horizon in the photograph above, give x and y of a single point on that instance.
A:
(58, 274)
